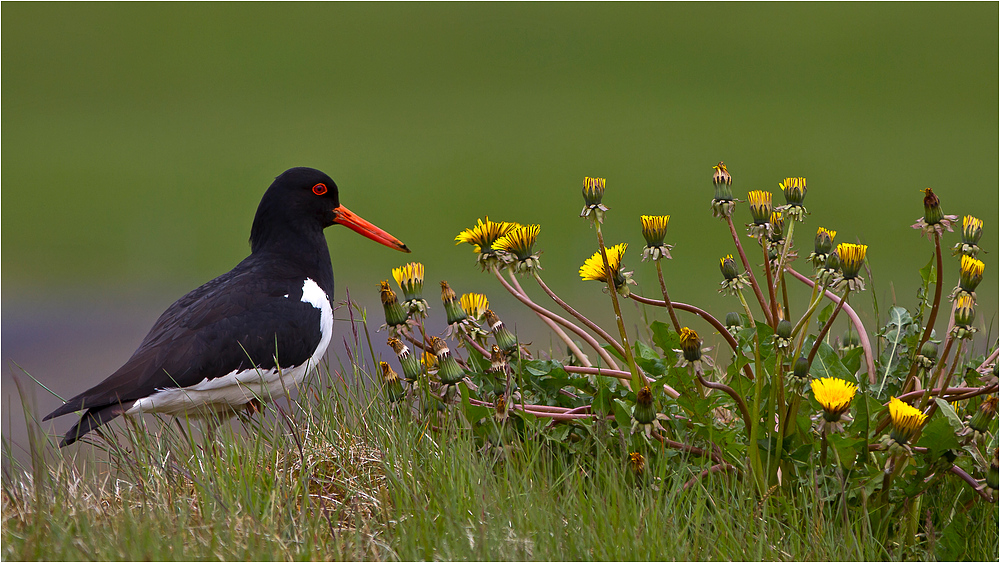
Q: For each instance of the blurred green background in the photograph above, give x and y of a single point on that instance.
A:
(138, 138)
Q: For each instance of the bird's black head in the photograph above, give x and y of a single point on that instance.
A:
(302, 202)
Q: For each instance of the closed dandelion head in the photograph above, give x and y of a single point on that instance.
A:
(849, 341)
(783, 336)
(822, 245)
(644, 413)
(395, 314)
(777, 223)
(993, 474)
(516, 248)
(475, 305)
(734, 322)
(927, 357)
(972, 231)
(852, 258)
(410, 278)
(691, 351)
(504, 339)
(593, 269)
(449, 372)
(934, 219)
(482, 236)
(760, 212)
(978, 425)
(906, 420)
(835, 396)
(795, 193)
(593, 193)
(409, 362)
(393, 386)
(654, 230)
(733, 281)
(830, 270)
(458, 320)
(723, 203)
(969, 276)
(636, 463)
(965, 314)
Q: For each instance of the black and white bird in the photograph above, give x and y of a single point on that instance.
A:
(250, 333)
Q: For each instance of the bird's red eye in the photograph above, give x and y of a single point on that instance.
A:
(319, 189)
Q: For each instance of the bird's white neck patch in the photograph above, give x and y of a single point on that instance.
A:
(314, 295)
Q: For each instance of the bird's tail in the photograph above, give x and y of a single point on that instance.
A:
(90, 420)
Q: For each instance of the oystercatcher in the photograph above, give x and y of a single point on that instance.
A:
(249, 333)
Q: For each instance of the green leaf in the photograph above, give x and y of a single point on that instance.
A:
(623, 415)
(828, 364)
(938, 436)
(666, 339)
(824, 315)
(473, 413)
(949, 413)
(846, 448)
(928, 273)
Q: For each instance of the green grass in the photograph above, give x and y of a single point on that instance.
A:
(340, 475)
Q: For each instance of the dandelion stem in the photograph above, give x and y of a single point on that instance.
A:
(573, 348)
(746, 266)
(866, 345)
(589, 323)
(540, 310)
(781, 265)
(623, 375)
(770, 286)
(740, 403)
(666, 298)
(609, 275)
(826, 327)
(934, 306)
(947, 379)
(714, 469)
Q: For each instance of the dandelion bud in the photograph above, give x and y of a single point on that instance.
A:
(409, 362)
(728, 267)
(971, 274)
(733, 321)
(824, 241)
(637, 463)
(723, 183)
(654, 230)
(504, 338)
(784, 329)
(932, 208)
(395, 315)
(690, 344)
(449, 372)
(852, 257)
(965, 313)
(644, 413)
(777, 223)
(795, 190)
(411, 280)
(593, 193)
(906, 420)
(475, 305)
(393, 387)
(452, 307)
(972, 230)
(801, 368)
(760, 207)
(929, 350)
(987, 411)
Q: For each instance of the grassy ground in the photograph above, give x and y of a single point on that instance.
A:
(340, 475)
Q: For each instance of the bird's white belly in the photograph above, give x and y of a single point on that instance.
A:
(239, 387)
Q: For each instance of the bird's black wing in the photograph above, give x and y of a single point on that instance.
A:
(240, 320)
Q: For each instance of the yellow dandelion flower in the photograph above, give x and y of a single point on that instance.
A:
(760, 206)
(474, 304)
(852, 257)
(654, 228)
(484, 234)
(518, 241)
(905, 419)
(593, 268)
(971, 273)
(834, 395)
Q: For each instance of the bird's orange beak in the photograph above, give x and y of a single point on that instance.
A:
(349, 219)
